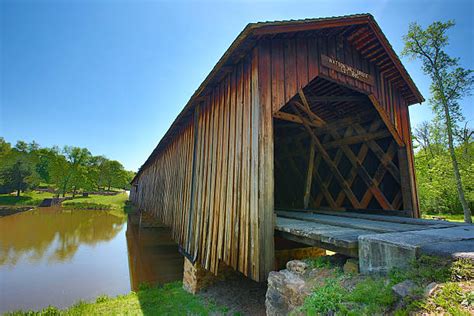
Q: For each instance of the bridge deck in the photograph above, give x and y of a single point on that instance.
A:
(340, 231)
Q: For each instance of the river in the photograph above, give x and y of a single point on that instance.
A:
(51, 256)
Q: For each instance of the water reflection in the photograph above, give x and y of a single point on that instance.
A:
(153, 256)
(57, 257)
(53, 234)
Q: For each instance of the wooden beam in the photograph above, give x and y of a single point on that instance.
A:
(309, 175)
(357, 139)
(386, 120)
(405, 182)
(340, 123)
(308, 108)
(337, 159)
(380, 173)
(347, 190)
(338, 99)
(364, 174)
(314, 118)
(378, 151)
(290, 118)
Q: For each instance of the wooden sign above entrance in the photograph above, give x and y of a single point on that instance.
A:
(339, 66)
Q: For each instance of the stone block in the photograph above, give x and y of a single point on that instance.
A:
(195, 277)
(404, 288)
(297, 266)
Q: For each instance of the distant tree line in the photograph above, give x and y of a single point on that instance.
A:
(70, 169)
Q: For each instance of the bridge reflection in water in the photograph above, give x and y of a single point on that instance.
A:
(153, 257)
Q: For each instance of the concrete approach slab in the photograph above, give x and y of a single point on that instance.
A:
(378, 253)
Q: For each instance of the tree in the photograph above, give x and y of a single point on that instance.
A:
(17, 172)
(449, 84)
(114, 174)
(67, 170)
(5, 148)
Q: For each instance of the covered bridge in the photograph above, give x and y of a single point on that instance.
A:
(305, 114)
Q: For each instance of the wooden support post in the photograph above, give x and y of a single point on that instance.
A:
(309, 175)
(193, 186)
(405, 182)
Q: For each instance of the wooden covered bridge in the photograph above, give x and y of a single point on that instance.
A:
(296, 115)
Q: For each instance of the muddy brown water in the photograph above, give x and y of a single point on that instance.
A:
(51, 256)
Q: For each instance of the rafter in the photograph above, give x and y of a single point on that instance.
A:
(338, 99)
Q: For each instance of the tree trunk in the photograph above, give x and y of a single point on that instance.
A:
(457, 175)
(18, 193)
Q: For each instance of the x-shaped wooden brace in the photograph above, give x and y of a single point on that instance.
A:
(353, 173)
(355, 161)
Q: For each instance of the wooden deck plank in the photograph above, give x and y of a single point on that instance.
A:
(390, 219)
(377, 217)
(336, 235)
(357, 223)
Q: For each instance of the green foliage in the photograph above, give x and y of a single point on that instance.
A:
(71, 169)
(325, 298)
(423, 270)
(462, 270)
(374, 293)
(17, 171)
(436, 183)
(450, 82)
(319, 262)
(368, 297)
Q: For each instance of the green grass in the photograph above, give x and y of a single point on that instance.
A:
(169, 299)
(448, 217)
(34, 198)
(86, 206)
(112, 201)
(31, 198)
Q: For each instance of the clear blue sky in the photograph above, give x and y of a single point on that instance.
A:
(112, 75)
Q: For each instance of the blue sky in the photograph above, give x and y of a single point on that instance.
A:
(112, 75)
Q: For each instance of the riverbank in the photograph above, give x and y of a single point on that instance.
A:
(11, 204)
(12, 209)
(162, 300)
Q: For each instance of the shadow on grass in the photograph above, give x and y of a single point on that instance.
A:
(18, 200)
(172, 299)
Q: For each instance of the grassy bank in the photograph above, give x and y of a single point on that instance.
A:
(34, 198)
(169, 299)
(108, 202)
(30, 198)
(347, 294)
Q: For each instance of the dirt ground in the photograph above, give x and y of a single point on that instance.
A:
(239, 293)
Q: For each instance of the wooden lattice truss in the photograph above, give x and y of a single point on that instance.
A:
(354, 162)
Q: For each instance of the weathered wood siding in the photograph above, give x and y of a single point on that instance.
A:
(231, 195)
